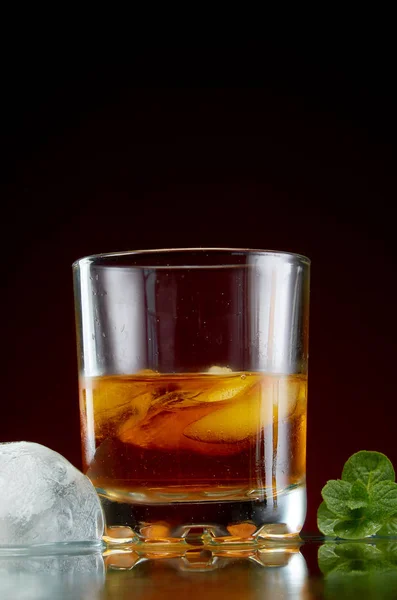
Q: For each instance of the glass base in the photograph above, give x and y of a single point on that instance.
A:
(207, 523)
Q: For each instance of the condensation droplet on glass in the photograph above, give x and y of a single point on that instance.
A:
(103, 334)
(97, 277)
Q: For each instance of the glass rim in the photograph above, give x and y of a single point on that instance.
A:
(110, 257)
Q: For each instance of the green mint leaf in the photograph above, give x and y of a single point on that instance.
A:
(383, 500)
(369, 468)
(326, 520)
(355, 529)
(363, 502)
(390, 526)
(359, 497)
(336, 494)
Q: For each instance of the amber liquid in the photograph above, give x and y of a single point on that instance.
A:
(194, 436)
(151, 439)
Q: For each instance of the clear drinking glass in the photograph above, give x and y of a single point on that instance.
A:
(193, 389)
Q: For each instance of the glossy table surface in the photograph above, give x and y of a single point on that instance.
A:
(312, 568)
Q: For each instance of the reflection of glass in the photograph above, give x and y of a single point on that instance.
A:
(360, 569)
(193, 369)
(278, 572)
(58, 577)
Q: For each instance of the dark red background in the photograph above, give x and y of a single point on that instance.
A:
(287, 146)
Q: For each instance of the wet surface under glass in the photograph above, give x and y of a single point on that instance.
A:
(309, 568)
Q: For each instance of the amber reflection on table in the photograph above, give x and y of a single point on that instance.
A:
(273, 572)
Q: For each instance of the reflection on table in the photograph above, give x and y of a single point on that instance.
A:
(276, 570)
(39, 577)
(366, 569)
(334, 569)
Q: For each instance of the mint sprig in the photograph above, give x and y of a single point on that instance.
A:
(363, 502)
